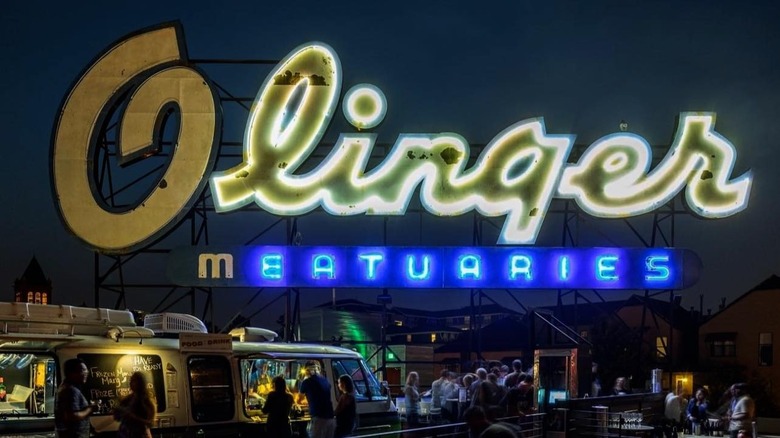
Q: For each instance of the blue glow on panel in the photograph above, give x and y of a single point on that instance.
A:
(411, 267)
(371, 260)
(520, 265)
(469, 267)
(606, 268)
(435, 267)
(323, 265)
(271, 267)
(656, 268)
(563, 268)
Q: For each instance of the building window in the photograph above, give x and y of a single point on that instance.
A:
(765, 352)
(399, 323)
(408, 338)
(722, 344)
(433, 337)
(45, 298)
(37, 298)
(30, 297)
(661, 347)
(723, 348)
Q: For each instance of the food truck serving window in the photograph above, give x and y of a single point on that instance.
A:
(109, 378)
(29, 384)
(256, 383)
(210, 388)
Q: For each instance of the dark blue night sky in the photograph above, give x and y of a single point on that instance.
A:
(473, 68)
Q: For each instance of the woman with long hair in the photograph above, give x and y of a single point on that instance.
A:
(278, 406)
(696, 412)
(346, 409)
(136, 411)
(412, 398)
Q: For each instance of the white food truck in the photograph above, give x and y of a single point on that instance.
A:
(204, 385)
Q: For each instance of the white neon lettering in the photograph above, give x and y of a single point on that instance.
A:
(523, 165)
(469, 267)
(413, 273)
(563, 268)
(657, 269)
(323, 265)
(271, 266)
(605, 268)
(372, 260)
(365, 106)
(520, 265)
(612, 180)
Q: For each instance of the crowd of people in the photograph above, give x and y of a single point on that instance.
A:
(476, 398)
(735, 412)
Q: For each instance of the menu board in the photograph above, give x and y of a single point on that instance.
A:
(109, 378)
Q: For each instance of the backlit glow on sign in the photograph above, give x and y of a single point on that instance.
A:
(364, 106)
(523, 166)
(437, 267)
(517, 174)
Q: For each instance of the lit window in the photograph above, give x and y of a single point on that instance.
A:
(45, 298)
(399, 323)
(661, 347)
(30, 297)
(408, 338)
(765, 351)
(433, 337)
(37, 298)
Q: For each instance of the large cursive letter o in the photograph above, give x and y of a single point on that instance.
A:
(151, 64)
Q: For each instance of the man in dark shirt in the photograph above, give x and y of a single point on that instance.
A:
(317, 391)
(513, 379)
(71, 413)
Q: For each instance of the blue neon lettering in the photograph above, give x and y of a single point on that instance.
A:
(323, 265)
(469, 266)
(656, 268)
(412, 273)
(605, 266)
(372, 260)
(271, 266)
(520, 265)
(563, 268)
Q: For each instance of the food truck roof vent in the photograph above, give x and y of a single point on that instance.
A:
(253, 334)
(174, 323)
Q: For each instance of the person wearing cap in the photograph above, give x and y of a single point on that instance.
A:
(317, 390)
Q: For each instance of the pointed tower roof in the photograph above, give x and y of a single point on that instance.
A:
(33, 278)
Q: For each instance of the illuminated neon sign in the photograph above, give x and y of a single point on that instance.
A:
(434, 267)
(517, 175)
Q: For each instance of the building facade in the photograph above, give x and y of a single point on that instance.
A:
(739, 339)
(33, 286)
